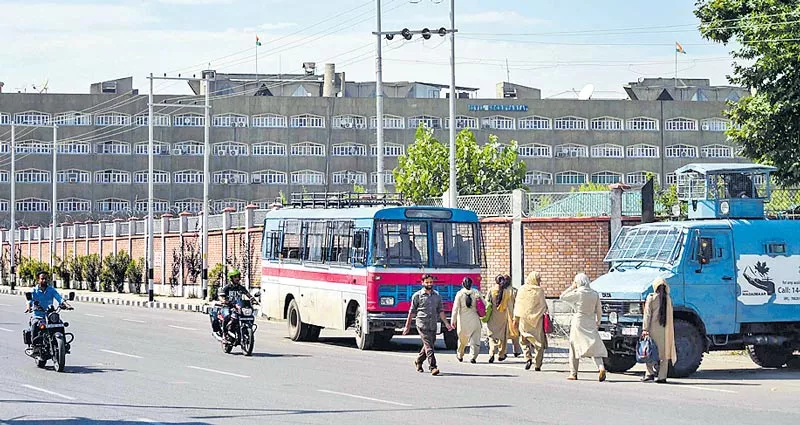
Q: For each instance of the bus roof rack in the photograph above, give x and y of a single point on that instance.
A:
(344, 199)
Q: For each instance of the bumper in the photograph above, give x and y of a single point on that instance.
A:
(622, 338)
(391, 321)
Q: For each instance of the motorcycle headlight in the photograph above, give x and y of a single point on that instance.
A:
(387, 301)
(635, 308)
(613, 317)
(247, 311)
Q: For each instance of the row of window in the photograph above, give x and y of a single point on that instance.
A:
(607, 150)
(639, 178)
(112, 205)
(497, 122)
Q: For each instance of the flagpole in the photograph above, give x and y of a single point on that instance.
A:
(676, 67)
(257, 80)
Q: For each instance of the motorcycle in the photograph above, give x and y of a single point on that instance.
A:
(241, 325)
(51, 341)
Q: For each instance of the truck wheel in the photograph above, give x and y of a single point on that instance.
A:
(768, 356)
(689, 344)
(450, 339)
(619, 364)
(364, 341)
(298, 331)
(793, 362)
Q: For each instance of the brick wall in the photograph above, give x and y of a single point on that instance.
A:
(496, 235)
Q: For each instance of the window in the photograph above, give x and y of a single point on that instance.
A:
(74, 148)
(347, 177)
(497, 123)
(221, 205)
(269, 121)
(74, 205)
(4, 147)
(455, 245)
(348, 149)
(388, 178)
(188, 177)
(606, 177)
(72, 119)
(32, 118)
(269, 177)
(538, 178)
(640, 178)
(776, 248)
(570, 123)
(390, 122)
(425, 120)
(159, 206)
(316, 238)
(5, 119)
(188, 148)
(114, 148)
(3, 205)
(570, 177)
(715, 124)
(535, 123)
(159, 120)
(112, 118)
(159, 177)
(269, 149)
(74, 176)
(229, 120)
(112, 177)
(159, 148)
(230, 177)
(308, 149)
(607, 124)
(33, 205)
(190, 205)
(680, 151)
(389, 149)
(535, 150)
(400, 243)
(349, 121)
(308, 177)
(643, 124)
(680, 124)
(34, 147)
(642, 151)
(462, 121)
(189, 120)
(672, 179)
(3, 176)
(230, 149)
(342, 249)
(33, 175)
(307, 121)
(571, 151)
(110, 205)
(607, 150)
(716, 151)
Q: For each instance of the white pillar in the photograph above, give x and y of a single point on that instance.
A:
(453, 183)
(149, 245)
(379, 99)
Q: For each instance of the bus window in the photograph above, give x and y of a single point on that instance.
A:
(291, 240)
(358, 253)
(316, 241)
(455, 244)
(341, 239)
(272, 245)
(401, 243)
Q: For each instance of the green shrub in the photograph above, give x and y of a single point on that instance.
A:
(91, 265)
(112, 274)
(135, 275)
(61, 270)
(75, 265)
(215, 279)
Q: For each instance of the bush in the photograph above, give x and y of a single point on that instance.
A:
(215, 278)
(91, 266)
(75, 266)
(28, 270)
(135, 275)
(62, 271)
(112, 274)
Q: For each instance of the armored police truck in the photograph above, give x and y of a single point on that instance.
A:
(733, 272)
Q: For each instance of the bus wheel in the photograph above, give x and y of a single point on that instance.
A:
(298, 331)
(768, 356)
(450, 339)
(619, 364)
(364, 341)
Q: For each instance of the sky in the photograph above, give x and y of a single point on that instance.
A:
(557, 46)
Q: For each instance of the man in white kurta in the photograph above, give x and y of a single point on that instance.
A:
(584, 339)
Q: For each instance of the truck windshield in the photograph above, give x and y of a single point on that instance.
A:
(401, 243)
(661, 244)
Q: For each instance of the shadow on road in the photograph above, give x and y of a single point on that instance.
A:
(87, 421)
(271, 355)
(478, 375)
(89, 370)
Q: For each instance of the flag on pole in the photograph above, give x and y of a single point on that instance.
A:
(679, 48)
(258, 42)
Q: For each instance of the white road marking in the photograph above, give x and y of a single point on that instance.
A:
(218, 371)
(6, 330)
(365, 398)
(149, 421)
(5, 305)
(708, 389)
(184, 328)
(94, 315)
(121, 354)
(65, 397)
(134, 321)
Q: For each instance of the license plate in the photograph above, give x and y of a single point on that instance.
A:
(438, 327)
(55, 326)
(631, 331)
(246, 319)
(605, 336)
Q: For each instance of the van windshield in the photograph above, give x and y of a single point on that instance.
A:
(660, 244)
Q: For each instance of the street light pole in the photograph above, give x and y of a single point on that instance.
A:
(150, 194)
(54, 207)
(13, 206)
(379, 100)
(453, 184)
(206, 181)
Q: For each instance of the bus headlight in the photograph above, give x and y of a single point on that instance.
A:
(635, 308)
(612, 317)
(387, 301)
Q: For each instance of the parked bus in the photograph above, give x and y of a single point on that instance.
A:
(351, 261)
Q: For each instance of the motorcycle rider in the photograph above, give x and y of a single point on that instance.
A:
(44, 295)
(229, 293)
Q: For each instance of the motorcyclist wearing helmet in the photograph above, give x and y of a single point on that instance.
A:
(231, 292)
(44, 296)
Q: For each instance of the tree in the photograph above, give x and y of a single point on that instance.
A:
(423, 172)
(766, 124)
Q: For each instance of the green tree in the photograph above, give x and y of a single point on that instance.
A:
(423, 172)
(766, 124)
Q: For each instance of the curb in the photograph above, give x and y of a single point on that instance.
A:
(162, 305)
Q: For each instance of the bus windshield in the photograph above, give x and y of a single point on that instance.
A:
(401, 243)
(455, 245)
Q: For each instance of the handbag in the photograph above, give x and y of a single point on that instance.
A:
(485, 319)
(480, 306)
(548, 323)
(647, 351)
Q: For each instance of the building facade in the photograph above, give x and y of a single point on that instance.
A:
(266, 145)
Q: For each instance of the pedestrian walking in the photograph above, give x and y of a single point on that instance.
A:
(502, 299)
(426, 305)
(584, 338)
(658, 325)
(466, 320)
(529, 310)
(514, 331)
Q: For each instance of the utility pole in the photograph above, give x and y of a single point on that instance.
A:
(13, 206)
(54, 207)
(150, 193)
(206, 178)
(379, 100)
(453, 183)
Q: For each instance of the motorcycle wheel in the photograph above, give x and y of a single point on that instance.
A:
(248, 341)
(60, 354)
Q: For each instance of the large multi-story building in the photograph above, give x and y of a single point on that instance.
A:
(289, 133)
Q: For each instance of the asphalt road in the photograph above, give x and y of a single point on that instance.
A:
(132, 365)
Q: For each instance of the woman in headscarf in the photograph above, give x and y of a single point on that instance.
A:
(584, 339)
(658, 325)
(529, 310)
(502, 299)
(513, 331)
(465, 319)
